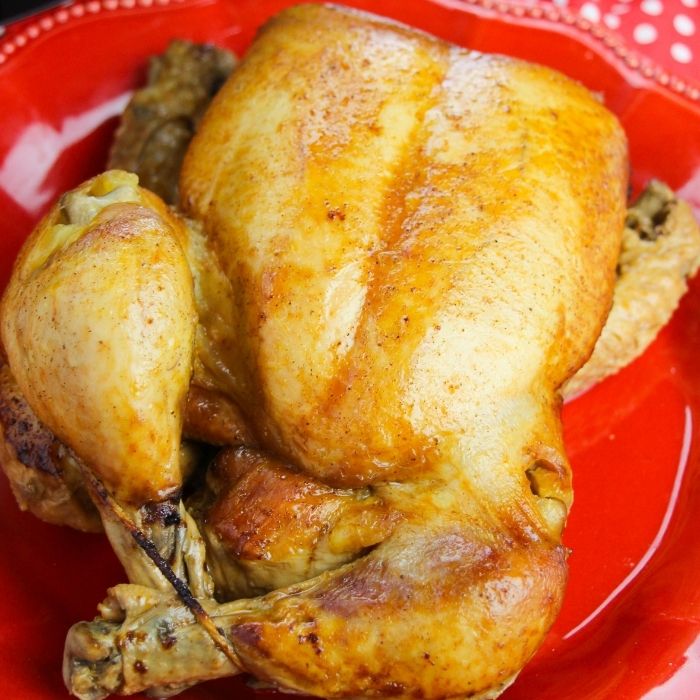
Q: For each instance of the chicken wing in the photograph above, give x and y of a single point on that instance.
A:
(268, 527)
(159, 120)
(660, 251)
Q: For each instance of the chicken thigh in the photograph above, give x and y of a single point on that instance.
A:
(402, 250)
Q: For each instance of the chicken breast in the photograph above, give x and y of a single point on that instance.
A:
(431, 226)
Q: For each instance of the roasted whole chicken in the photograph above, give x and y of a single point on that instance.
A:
(390, 255)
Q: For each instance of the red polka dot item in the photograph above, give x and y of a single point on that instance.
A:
(666, 31)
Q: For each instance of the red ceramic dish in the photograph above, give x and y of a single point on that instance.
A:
(630, 627)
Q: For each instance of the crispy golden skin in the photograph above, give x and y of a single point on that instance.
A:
(212, 418)
(422, 244)
(98, 325)
(268, 526)
(411, 214)
(405, 249)
(656, 260)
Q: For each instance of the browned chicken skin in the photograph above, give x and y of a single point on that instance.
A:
(42, 472)
(268, 526)
(660, 251)
(403, 250)
(158, 124)
(212, 418)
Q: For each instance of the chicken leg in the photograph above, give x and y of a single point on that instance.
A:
(98, 323)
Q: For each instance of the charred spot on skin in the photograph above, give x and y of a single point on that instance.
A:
(34, 456)
(166, 635)
(333, 213)
(248, 634)
(132, 637)
(34, 445)
(164, 513)
(312, 639)
(140, 667)
(393, 689)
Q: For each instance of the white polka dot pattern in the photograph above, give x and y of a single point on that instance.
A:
(661, 27)
(645, 33)
(684, 25)
(652, 7)
(590, 11)
(681, 52)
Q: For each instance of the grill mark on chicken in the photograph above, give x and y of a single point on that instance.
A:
(32, 442)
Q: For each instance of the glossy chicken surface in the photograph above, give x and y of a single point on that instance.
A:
(401, 250)
(424, 222)
(98, 322)
(268, 526)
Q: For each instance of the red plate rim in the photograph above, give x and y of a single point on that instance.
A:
(20, 34)
(27, 33)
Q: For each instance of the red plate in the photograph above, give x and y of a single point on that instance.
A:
(630, 627)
